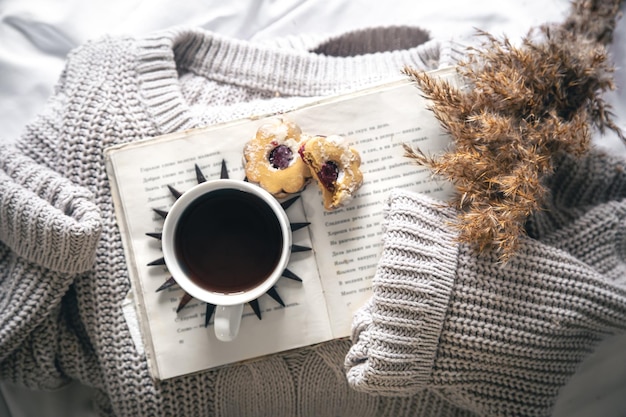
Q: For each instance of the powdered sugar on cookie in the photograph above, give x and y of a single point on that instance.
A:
(335, 166)
(272, 160)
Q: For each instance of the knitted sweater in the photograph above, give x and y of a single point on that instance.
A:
(446, 333)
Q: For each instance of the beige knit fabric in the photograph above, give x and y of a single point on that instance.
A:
(497, 338)
(63, 276)
(446, 333)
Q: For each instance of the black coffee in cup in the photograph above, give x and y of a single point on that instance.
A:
(228, 241)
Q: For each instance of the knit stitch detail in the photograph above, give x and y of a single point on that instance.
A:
(261, 67)
(511, 334)
(514, 335)
(159, 83)
(262, 388)
(586, 206)
(322, 376)
(44, 217)
(396, 335)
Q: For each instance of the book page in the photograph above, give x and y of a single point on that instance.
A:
(377, 125)
(179, 342)
(336, 275)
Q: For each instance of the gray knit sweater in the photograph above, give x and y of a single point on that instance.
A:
(446, 333)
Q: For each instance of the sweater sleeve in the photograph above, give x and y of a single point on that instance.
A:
(494, 338)
(396, 334)
(49, 229)
(44, 218)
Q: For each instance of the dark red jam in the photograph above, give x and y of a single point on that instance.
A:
(280, 157)
(328, 175)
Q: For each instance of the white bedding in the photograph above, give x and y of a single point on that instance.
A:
(36, 35)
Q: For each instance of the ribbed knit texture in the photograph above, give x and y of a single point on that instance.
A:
(55, 224)
(397, 333)
(498, 338)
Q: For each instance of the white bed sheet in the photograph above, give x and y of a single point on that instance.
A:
(36, 35)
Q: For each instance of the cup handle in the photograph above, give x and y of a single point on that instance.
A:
(227, 321)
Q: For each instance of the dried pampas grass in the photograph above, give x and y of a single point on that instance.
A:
(519, 107)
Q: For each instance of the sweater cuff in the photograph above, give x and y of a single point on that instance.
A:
(45, 218)
(396, 335)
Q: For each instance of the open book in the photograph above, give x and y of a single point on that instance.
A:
(346, 243)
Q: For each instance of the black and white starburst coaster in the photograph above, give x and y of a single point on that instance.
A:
(210, 308)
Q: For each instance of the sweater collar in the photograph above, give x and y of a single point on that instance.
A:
(282, 71)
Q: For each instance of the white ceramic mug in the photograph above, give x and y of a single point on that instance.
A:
(226, 242)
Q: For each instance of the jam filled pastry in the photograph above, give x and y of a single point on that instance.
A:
(272, 159)
(335, 166)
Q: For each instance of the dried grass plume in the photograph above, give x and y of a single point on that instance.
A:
(520, 106)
